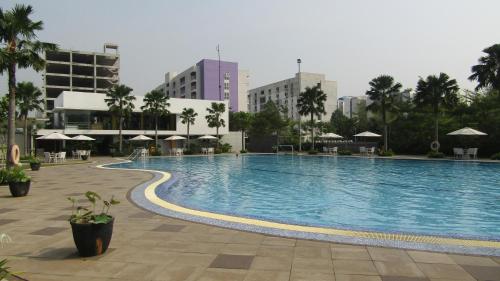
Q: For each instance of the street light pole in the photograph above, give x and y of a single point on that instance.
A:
(218, 55)
(300, 129)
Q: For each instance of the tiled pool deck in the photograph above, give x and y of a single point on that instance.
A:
(146, 246)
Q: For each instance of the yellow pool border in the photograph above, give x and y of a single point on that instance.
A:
(164, 177)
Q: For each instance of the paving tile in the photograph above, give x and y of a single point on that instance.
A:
(142, 215)
(267, 275)
(403, 278)
(60, 218)
(311, 264)
(386, 254)
(6, 210)
(473, 260)
(309, 275)
(397, 268)
(428, 257)
(177, 273)
(354, 267)
(272, 263)
(216, 274)
(6, 221)
(313, 252)
(275, 251)
(169, 228)
(344, 277)
(450, 271)
(483, 273)
(278, 241)
(232, 261)
(48, 231)
(350, 253)
(75, 194)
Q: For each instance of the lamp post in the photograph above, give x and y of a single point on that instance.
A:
(218, 56)
(300, 129)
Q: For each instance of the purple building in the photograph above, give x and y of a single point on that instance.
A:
(202, 81)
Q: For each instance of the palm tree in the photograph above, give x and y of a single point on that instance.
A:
(29, 99)
(19, 49)
(156, 103)
(214, 118)
(243, 122)
(436, 91)
(312, 101)
(120, 102)
(382, 91)
(188, 116)
(487, 72)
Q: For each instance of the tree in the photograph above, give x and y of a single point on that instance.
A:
(487, 72)
(242, 122)
(29, 99)
(269, 120)
(4, 107)
(382, 91)
(214, 118)
(120, 102)
(312, 102)
(19, 49)
(188, 116)
(156, 104)
(434, 92)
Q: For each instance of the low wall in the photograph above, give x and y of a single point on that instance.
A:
(234, 139)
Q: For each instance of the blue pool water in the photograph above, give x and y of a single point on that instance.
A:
(448, 198)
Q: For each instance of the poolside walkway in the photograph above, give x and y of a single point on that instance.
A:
(146, 246)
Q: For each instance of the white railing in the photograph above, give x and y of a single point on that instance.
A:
(138, 153)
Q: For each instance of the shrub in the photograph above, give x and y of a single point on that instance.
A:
(118, 154)
(156, 153)
(312, 152)
(226, 148)
(386, 153)
(217, 151)
(495, 156)
(34, 160)
(344, 152)
(17, 174)
(84, 215)
(243, 151)
(435, 154)
(188, 152)
(3, 176)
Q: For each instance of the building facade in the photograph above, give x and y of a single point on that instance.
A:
(71, 70)
(285, 93)
(202, 80)
(350, 105)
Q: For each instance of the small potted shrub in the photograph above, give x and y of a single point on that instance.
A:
(35, 164)
(243, 151)
(19, 182)
(344, 152)
(435, 154)
(92, 231)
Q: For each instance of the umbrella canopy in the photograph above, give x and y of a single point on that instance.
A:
(54, 136)
(467, 132)
(82, 138)
(207, 137)
(331, 136)
(173, 138)
(140, 138)
(367, 134)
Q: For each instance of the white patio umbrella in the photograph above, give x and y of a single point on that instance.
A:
(331, 136)
(140, 138)
(367, 134)
(82, 138)
(207, 137)
(467, 132)
(54, 136)
(174, 138)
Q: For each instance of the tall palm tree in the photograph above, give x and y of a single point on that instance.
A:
(487, 72)
(156, 103)
(188, 116)
(436, 91)
(312, 101)
(243, 122)
(20, 49)
(120, 102)
(29, 99)
(382, 91)
(214, 118)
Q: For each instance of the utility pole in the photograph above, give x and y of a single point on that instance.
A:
(218, 55)
(300, 129)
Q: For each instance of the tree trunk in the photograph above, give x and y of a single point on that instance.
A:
(156, 132)
(312, 131)
(386, 142)
(243, 139)
(217, 132)
(436, 131)
(11, 138)
(189, 145)
(120, 133)
(25, 131)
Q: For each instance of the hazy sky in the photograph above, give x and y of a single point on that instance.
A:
(350, 41)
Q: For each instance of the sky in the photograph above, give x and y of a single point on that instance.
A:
(351, 41)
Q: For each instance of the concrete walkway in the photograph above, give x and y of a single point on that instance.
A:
(146, 246)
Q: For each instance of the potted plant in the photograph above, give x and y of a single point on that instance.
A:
(92, 231)
(35, 164)
(19, 182)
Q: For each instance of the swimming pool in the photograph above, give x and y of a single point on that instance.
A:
(442, 198)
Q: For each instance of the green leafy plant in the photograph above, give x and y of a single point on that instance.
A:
(225, 148)
(495, 156)
(34, 160)
(434, 154)
(4, 270)
(386, 153)
(243, 151)
(188, 152)
(3, 176)
(344, 152)
(17, 174)
(84, 215)
(312, 152)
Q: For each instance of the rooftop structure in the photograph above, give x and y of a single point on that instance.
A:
(350, 105)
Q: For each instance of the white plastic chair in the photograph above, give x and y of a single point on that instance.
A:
(325, 149)
(334, 150)
(458, 153)
(370, 151)
(204, 150)
(472, 153)
(362, 150)
(47, 157)
(210, 150)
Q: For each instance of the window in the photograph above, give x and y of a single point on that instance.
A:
(277, 89)
(227, 76)
(226, 95)
(183, 80)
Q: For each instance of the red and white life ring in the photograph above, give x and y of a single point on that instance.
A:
(14, 154)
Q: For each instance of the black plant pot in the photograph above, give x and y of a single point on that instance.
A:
(35, 166)
(85, 157)
(18, 189)
(92, 239)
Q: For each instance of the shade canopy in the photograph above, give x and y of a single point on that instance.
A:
(207, 137)
(140, 138)
(368, 134)
(467, 132)
(54, 136)
(331, 136)
(173, 138)
(82, 138)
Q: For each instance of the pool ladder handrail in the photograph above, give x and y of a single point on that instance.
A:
(138, 152)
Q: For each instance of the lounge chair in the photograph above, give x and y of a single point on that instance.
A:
(370, 151)
(334, 150)
(458, 153)
(48, 157)
(60, 157)
(472, 153)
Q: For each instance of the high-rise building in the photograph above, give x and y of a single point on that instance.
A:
(209, 80)
(285, 93)
(71, 70)
(350, 105)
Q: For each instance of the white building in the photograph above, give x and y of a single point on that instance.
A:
(350, 105)
(286, 92)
